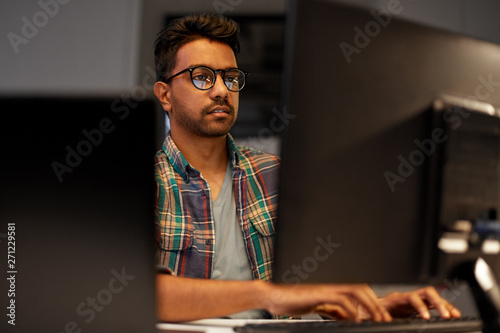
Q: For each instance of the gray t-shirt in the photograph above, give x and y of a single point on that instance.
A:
(230, 260)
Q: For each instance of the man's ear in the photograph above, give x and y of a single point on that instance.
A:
(162, 92)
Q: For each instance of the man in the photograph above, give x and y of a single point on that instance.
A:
(217, 202)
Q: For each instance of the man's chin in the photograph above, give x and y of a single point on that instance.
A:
(218, 131)
(215, 134)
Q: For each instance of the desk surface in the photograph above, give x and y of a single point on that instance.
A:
(210, 325)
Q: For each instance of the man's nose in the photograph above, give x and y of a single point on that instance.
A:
(219, 89)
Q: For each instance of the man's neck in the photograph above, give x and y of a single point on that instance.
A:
(208, 155)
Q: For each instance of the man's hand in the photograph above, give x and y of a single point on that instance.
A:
(419, 301)
(336, 301)
(357, 302)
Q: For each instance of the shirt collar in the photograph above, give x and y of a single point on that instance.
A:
(182, 166)
(234, 152)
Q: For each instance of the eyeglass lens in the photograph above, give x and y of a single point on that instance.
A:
(204, 78)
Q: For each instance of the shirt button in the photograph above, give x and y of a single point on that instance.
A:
(208, 242)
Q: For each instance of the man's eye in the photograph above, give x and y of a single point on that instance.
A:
(201, 77)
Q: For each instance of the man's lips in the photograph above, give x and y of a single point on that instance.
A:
(219, 110)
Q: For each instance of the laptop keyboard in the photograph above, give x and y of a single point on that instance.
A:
(413, 325)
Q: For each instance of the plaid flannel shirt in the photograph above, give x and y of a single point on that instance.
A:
(185, 225)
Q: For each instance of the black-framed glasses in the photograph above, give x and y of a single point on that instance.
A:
(203, 77)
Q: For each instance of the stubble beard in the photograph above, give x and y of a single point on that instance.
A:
(206, 128)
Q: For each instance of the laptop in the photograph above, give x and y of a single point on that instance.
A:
(77, 230)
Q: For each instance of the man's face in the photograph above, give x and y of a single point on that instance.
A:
(204, 113)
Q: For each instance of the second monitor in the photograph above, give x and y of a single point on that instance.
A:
(361, 197)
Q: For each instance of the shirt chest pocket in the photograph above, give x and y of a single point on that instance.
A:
(264, 226)
(261, 217)
(175, 237)
(179, 251)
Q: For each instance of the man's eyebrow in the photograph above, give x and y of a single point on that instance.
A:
(204, 65)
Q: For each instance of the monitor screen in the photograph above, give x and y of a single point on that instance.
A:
(393, 141)
(76, 212)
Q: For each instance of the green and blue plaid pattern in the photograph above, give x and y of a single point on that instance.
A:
(185, 223)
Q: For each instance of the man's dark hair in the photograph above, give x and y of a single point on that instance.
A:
(187, 29)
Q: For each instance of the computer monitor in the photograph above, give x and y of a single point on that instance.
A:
(76, 212)
(394, 140)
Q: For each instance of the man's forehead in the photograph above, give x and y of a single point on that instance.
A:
(206, 52)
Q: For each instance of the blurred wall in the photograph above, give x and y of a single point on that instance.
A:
(476, 18)
(69, 46)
